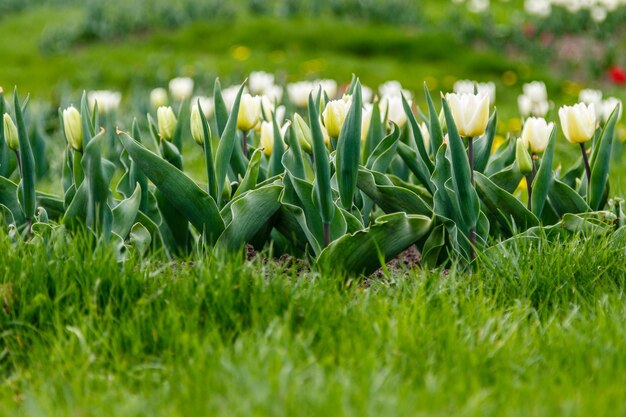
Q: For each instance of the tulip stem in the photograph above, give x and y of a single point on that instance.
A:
(529, 182)
(472, 231)
(470, 156)
(586, 160)
(326, 227)
(19, 163)
(244, 144)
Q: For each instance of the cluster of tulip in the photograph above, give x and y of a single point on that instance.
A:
(346, 182)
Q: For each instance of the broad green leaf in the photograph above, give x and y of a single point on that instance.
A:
(417, 135)
(250, 213)
(226, 146)
(140, 238)
(503, 207)
(601, 162)
(565, 199)
(383, 154)
(27, 185)
(322, 167)
(508, 179)
(195, 204)
(207, 146)
(349, 151)
(8, 198)
(461, 172)
(367, 250)
(125, 213)
(544, 178)
(414, 163)
(389, 197)
(252, 174)
(436, 133)
(482, 146)
(275, 163)
(221, 112)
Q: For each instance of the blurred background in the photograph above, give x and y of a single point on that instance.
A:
(50, 47)
(55, 49)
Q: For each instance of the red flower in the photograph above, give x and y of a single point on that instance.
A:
(617, 75)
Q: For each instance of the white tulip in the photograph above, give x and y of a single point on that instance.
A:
(470, 113)
(206, 103)
(334, 115)
(578, 122)
(181, 88)
(166, 119)
(366, 119)
(536, 134)
(536, 91)
(249, 112)
(391, 106)
(267, 136)
(608, 106)
(260, 81)
(72, 124)
(229, 95)
(158, 97)
(299, 93)
(107, 100)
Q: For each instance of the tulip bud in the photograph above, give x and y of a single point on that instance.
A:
(10, 133)
(195, 122)
(536, 134)
(303, 133)
(167, 122)
(72, 124)
(249, 112)
(524, 161)
(267, 138)
(470, 113)
(334, 115)
(158, 97)
(578, 122)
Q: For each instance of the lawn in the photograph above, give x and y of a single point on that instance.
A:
(535, 329)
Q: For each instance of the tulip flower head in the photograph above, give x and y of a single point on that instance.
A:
(260, 82)
(334, 115)
(166, 119)
(72, 124)
(181, 88)
(536, 134)
(195, 122)
(578, 122)
(107, 100)
(267, 136)
(158, 97)
(10, 133)
(249, 112)
(392, 107)
(470, 113)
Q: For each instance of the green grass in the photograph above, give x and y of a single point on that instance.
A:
(537, 329)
